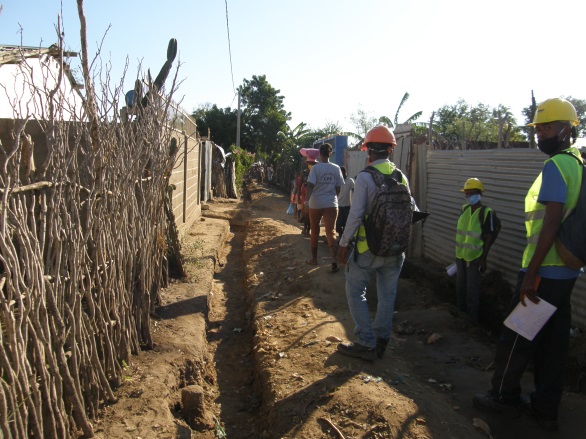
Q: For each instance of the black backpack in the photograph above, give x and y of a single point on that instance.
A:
(571, 238)
(388, 225)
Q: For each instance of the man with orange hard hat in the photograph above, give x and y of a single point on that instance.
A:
(372, 336)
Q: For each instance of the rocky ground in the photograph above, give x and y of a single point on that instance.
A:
(246, 347)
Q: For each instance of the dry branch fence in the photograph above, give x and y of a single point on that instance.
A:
(82, 255)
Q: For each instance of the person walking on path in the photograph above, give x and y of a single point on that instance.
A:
(344, 201)
(543, 276)
(476, 231)
(323, 186)
(372, 336)
(303, 211)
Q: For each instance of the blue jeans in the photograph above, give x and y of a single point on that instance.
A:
(358, 274)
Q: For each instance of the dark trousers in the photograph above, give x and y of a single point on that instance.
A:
(343, 212)
(548, 350)
(468, 287)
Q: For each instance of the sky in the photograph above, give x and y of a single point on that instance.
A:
(331, 58)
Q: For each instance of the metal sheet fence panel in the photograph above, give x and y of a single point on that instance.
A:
(206, 171)
(507, 174)
(355, 162)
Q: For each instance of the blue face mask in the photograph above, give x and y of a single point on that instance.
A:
(473, 199)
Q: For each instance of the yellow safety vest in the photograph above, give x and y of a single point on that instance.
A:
(469, 243)
(386, 168)
(535, 212)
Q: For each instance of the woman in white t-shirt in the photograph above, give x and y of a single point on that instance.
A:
(323, 186)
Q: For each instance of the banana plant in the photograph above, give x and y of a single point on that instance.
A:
(393, 124)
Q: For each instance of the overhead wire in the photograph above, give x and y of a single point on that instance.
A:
(229, 48)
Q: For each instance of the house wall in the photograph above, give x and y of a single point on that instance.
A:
(186, 197)
(185, 175)
(26, 90)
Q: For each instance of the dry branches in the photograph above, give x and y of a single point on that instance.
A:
(82, 252)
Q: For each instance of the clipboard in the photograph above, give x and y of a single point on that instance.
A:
(528, 320)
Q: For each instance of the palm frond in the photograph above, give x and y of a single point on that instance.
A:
(405, 97)
(414, 117)
(386, 120)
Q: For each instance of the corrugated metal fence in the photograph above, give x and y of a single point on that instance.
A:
(507, 174)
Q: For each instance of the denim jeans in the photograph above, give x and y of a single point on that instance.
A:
(358, 274)
(468, 287)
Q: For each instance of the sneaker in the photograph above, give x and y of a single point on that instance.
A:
(381, 346)
(487, 403)
(549, 423)
(356, 350)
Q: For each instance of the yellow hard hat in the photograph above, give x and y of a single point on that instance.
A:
(473, 183)
(555, 109)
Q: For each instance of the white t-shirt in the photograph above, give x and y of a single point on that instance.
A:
(325, 177)
(345, 197)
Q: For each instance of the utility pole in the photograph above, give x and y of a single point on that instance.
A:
(238, 122)
(532, 115)
(501, 123)
(430, 132)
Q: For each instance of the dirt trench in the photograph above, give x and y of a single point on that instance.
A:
(256, 329)
(279, 375)
(230, 338)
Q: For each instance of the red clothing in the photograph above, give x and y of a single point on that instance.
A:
(303, 192)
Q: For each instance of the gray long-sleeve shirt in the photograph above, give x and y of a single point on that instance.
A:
(365, 190)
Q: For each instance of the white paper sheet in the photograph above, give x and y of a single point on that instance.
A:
(528, 320)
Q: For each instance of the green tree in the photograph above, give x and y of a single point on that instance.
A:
(462, 122)
(363, 122)
(295, 136)
(263, 115)
(221, 124)
(330, 129)
(243, 160)
(288, 143)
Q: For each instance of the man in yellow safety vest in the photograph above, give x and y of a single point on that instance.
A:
(543, 276)
(476, 231)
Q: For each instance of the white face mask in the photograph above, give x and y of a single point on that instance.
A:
(473, 199)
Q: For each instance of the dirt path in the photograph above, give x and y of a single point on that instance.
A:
(268, 364)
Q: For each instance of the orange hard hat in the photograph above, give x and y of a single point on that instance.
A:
(379, 134)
